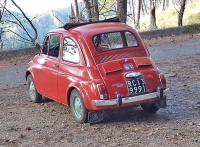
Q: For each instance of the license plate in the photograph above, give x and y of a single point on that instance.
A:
(136, 86)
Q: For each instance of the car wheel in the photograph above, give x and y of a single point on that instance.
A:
(34, 95)
(151, 108)
(78, 108)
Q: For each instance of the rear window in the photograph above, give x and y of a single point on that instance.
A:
(114, 40)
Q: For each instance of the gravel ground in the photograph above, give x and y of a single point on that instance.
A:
(25, 124)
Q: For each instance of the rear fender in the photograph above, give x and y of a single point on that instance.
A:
(82, 91)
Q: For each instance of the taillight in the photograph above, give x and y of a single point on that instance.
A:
(102, 91)
(162, 80)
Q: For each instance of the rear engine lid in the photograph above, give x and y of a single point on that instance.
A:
(131, 76)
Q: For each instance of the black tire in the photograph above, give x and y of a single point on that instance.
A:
(34, 95)
(150, 108)
(77, 106)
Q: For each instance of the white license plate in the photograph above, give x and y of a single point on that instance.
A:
(136, 86)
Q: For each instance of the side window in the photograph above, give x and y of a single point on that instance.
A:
(131, 40)
(51, 46)
(70, 51)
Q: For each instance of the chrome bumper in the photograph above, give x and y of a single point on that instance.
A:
(130, 99)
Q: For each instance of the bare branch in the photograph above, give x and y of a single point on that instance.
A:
(34, 18)
(36, 34)
(19, 23)
(102, 6)
(3, 9)
(28, 42)
(57, 18)
(9, 30)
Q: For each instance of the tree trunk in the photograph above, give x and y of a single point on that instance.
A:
(142, 8)
(152, 8)
(145, 7)
(2, 10)
(137, 25)
(72, 18)
(1, 31)
(132, 10)
(95, 10)
(167, 3)
(122, 10)
(88, 8)
(76, 9)
(181, 12)
(163, 5)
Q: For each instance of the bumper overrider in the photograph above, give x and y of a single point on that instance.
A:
(160, 93)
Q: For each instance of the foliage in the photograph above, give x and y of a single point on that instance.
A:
(193, 18)
(169, 17)
(194, 28)
(108, 8)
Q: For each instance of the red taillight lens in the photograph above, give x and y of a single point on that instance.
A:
(162, 80)
(102, 91)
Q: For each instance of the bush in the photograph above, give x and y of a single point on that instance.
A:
(191, 28)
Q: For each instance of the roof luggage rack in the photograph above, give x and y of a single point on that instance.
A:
(67, 26)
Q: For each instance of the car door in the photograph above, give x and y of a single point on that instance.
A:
(49, 64)
(71, 69)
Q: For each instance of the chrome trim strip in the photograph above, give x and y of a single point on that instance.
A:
(125, 100)
(133, 74)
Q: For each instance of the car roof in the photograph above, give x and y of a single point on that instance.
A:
(92, 28)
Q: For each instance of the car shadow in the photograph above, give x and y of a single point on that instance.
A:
(135, 114)
(46, 100)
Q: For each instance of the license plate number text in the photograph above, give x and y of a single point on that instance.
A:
(136, 86)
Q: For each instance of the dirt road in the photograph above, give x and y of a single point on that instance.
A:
(25, 124)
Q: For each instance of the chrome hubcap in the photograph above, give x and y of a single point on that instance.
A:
(32, 90)
(78, 109)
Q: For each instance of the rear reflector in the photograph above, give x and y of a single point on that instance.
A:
(102, 91)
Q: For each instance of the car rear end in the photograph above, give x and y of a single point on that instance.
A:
(130, 77)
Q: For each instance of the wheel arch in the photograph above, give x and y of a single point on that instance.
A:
(27, 74)
(82, 92)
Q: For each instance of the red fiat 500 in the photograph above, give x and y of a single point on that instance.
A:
(96, 66)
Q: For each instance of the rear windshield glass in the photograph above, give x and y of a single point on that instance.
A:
(114, 40)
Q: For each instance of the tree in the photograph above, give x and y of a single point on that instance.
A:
(76, 10)
(137, 23)
(72, 18)
(23, 23)
(95, 9)
(107, 8)
(122, 10)
(179, 5)
(163, 5)
(2, 10)
(92, 9)
(152, 9)
(181, 12)
(132, 9)
(144, 7)
(167, 3)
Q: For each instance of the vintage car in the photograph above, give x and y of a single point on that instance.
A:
(96, 66)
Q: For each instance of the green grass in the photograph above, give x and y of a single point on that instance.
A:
(169, 17)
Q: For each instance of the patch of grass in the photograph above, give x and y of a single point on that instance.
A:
(193, 18)
(167, 18)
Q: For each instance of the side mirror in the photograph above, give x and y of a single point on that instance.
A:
(37, 46)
